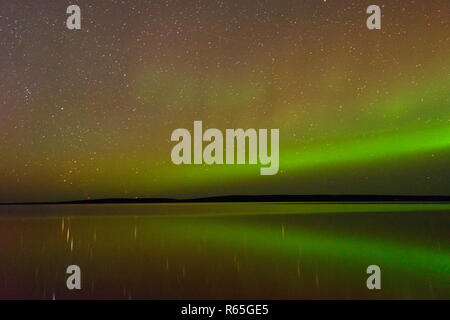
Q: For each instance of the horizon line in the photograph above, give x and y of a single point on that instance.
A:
(250, 198)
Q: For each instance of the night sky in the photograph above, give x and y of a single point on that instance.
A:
(89, 113)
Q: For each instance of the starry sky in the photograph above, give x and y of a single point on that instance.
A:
(89, 113)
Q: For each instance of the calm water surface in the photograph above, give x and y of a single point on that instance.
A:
(226, 250)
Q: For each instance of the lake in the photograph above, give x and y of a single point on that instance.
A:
(226, 250)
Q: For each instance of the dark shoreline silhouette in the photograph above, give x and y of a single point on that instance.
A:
(254, 199)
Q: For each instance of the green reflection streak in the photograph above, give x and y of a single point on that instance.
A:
(402, 256)
(297, 208)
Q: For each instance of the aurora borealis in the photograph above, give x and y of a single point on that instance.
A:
(89, 113)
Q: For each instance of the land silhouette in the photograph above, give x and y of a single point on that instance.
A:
(257, 199)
